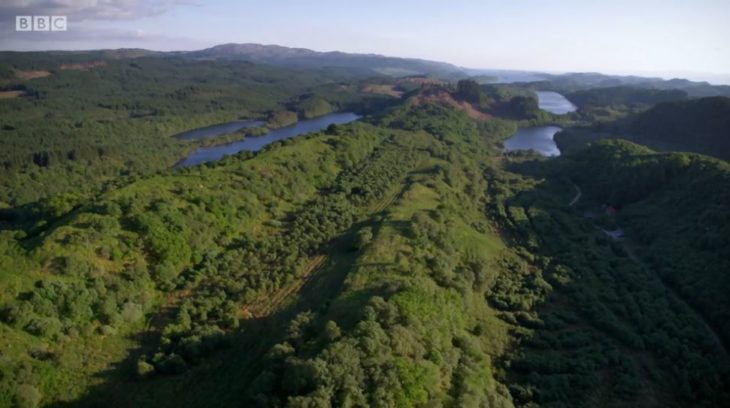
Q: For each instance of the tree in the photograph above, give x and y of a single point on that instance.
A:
(144, 368)
(364, 237)
(332, 331)
(27, 396)
(469, 90)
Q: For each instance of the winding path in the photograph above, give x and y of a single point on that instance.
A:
(578, 194)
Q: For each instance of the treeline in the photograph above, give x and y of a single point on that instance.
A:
(623, 96)
(573, 82)
(698, 125)
(610, 103)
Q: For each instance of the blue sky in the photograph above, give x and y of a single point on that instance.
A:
(669, 38)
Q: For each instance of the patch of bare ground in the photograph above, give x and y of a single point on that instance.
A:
(442, 96)
(421, 80)
(382, 90)
(164, 316)
(388, 199)
(268, 303)
(82, 66)
(31, 74)
(10, 94)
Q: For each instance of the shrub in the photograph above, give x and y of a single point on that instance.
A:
(27, 396)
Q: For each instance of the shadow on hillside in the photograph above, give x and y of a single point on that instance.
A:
(590, 324)
(224, 378)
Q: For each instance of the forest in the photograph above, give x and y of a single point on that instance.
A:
(106, 118)
(696, 125)
(400, 260)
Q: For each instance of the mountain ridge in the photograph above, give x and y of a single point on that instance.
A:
(307, 58)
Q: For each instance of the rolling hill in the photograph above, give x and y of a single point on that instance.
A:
(570, 82)
(305, 58)
(698, 125)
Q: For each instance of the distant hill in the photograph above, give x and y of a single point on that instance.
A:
(296, 58)
(306, 58)
(572, 82)
(694, 125)
(623, 96)
(362, 64)
(699, 125)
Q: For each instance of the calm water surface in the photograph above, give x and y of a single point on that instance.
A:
(217, 130)
(540, 139)
(554, 102)
(213, 153)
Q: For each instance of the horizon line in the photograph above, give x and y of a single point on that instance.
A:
(666, 76)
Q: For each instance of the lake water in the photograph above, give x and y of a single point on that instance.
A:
(213, 153)
(554, 102)
(539, 139)
(217, 130)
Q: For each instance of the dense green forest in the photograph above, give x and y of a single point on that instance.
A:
(694, 125)
(638, 297)
(572, 82)
(360, 64)
(614, 102)
(698, 125)
(103, 117)
(400, 260)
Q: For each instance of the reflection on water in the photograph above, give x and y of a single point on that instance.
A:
(217, 130)
(554, 102)
(539, 139)
(208, 154)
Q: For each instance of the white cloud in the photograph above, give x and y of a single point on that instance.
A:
(81, 10)
(82, 30)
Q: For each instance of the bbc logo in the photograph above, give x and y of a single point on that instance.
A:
(40, 23)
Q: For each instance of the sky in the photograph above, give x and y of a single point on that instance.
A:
(669, 38)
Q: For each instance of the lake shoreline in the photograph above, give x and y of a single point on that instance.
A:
(541, 139)
(203, 154)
